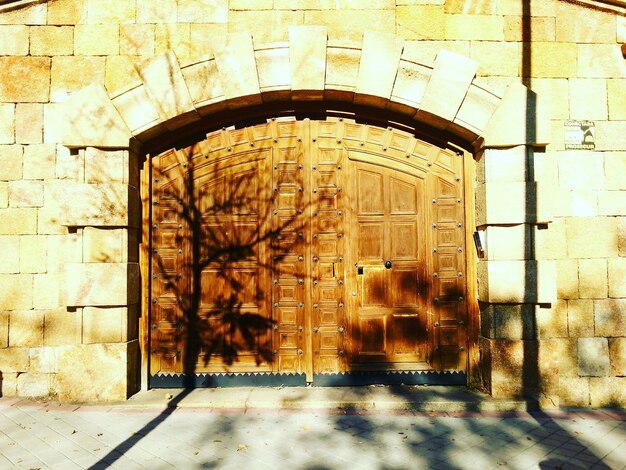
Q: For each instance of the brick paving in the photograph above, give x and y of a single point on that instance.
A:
(38, 435)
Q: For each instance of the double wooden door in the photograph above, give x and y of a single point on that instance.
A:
(307, 247)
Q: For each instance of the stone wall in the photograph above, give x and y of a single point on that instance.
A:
(552, 285)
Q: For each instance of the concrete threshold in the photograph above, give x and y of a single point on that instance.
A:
(398, 398)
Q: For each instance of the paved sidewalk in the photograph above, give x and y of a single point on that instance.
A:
(384, 429)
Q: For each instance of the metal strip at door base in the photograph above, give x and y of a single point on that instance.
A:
(299, 380)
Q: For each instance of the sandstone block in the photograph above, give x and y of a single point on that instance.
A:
(274, 70)
(33, 254)
(53, 122)
(4, 194)
(507, 366)
(621, 235)
(542, 29)
(102, 166)
(137, 110)
(593, 357)
(574, 391)
(580, 318)
(517, 281)
(18, 221)
(65, 80)
(510, 242)
(600, 61)
(113, 11)
(508, 321)
(451, 77)
(97, 39)
(584, 203)
(554, 60)
(39, 161)
(10, 254)
(156, 12)
(7, 123)
(553, 93)
(342, 69)
(409, 87)
(63, 249)
(584, 25)
(503, 164)
(487, 7)
(173, 37)
(62, 327)
(203, 82)
(4, 330)
(307, 59)
(70, 164)
(380, 57)
(425, 52)
(476, 109)
(251, 4)
(617, 277)
(96, 372)
(47, 291)
(592, 274)
(610, 135)
(552, 322)
(588, 99)
(51, 40)
(614, 169)
(69, 12)
(616, 99)
(497, 58)
(104, 325)
(34, 385)
(617, 353)
(551, 240)
(26, 193)
(44, 360)
(104, 245)
(475, 27)
(90, 119)
(591, 237)
(567, 278)
(513, 203)
(96, 284)
(137, 39)
(28, 14)
(14, 40)
(8, 384)
(25, 328)
(266, 26)
(607, 392)
(421, 22)
(237, 70)
(14, 360)
(120, 73)
(166, 87)
(203, 11)
(568, 353)
(11, 162)
(612, 202)
(610, 317)
(206, 38)
(29, 123)
(13, 87)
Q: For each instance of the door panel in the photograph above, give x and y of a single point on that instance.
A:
(269, 248)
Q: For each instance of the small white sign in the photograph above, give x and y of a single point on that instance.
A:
(580, 135)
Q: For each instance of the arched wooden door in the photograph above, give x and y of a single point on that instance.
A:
(308, 248)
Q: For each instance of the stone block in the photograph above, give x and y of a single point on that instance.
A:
(266, 26)
(591, 237)
(112, 11)
(600, 61)
(62, 327)
(64, 79)
(553, 93)
(509, 367)
(166, 87)
(574, 391)
(542, 29)
(513, 203)
(552, 321)
(568, 353)
(90, 119)
(593, 357)
(137, 110)
(99, 284)
(588, 99)
(497, 58)
(205, 38)
(610, 317)
(44, 360)
(69, 12)
(607, 392)
(14, 40)
(47, 289)
(617, 354)
(580, 318)
(425, 52)
(342, 69)
(104, 325)
(237, 70)
(163, 11)
(455, 7)
(307, 59)
(550, 240)
(4, 330)
(96, 372)
(617, 277)
(53, 122)
(409, 86)
(584, 25)
(421, 22)
(621, 235)
(567, 278)
(475, 27)
(251, 4)
(510, 164)
(517, 281)
(611, 202)
(137, 39)
(4, 194)
(70, 164)
(29, 123)
(274, 70)
(51, 40)
(519, 119)
(39, 161)
(13, 87)
(102, 166)
(508, 321)
(203, 82)
(610, 135)
(553, 60)
(614, 169)
(173, 37)
(592, 274)
(28, 14)
(18, 221)
(97, 39)
(583, 203)
(120, 73)
(33, 254)
(10, 254)
(14, 360)
(25, 328)
(380, 57)
(616, 99)
(11, 162)
(104, 245)
(476, 109)
(203, 11)
(26, 193)
(63, 249)
(7, 123)
(34, 385)
(451, 78)
(508, 242)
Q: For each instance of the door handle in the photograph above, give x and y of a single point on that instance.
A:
(388, 264)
